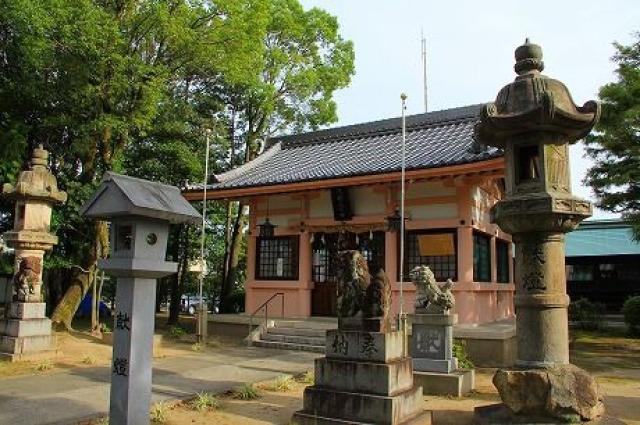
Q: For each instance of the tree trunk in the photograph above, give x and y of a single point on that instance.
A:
(177, 282)
(231, 272)
(81, 281)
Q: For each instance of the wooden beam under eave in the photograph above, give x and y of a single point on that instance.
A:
(496, 164)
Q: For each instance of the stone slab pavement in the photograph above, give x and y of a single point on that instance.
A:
(76, 395)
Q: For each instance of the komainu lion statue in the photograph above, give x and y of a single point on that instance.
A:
(26, 279)
(431, 296)
(358, 294)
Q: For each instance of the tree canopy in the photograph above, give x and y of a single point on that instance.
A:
(615, 143)
(137, 86)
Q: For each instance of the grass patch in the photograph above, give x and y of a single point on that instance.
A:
(44, 365)
(307, 378)
(176, 332)
(246, 392)
(89, 360)
(159, 413)
(204, 401)
(197, 347)
(282, 383)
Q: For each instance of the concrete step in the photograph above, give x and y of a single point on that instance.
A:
(321, 324)
(289, 346)
(314, 333)
(293, 339)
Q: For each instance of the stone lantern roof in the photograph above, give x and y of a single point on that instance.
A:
(36, 183)
(534, 102)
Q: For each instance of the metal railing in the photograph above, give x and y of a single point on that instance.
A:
(264, 305)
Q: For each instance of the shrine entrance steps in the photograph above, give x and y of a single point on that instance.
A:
(302, 335)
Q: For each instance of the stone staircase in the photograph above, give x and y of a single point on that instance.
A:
(296, 335)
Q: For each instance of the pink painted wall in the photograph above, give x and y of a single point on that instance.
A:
(475, 302)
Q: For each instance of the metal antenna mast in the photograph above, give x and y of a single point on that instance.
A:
(424, 68)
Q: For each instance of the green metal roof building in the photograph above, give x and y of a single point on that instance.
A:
(603, 262)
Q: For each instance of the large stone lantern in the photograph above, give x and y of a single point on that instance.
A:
(534, 119)
(25, 333)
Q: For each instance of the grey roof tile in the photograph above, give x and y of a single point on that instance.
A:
(434, 139)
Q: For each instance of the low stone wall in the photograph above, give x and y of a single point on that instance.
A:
(488, 345)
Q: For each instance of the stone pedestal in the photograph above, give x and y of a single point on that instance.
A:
(26, 333)
(434, 366)
(365, 378)
(131, 363)
(432, 342)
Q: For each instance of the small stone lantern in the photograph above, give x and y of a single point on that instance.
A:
(140, 212)
(26, 332)
(534, 119)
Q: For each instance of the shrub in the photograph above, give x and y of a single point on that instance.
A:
(282, 383)
(205, 401)
(196, 347)
(631, 312)
(159, 413)
(246, 392)
(89, 360)
(586, 314)
(460, 353)
(176, 332)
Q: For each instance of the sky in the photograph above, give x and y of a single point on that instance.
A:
(470, 47)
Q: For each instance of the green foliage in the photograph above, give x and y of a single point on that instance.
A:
(585, 314)
(460, 353)
(204, 401)
(631, 312)
(159, 413)
(135, 87)
(176, 332)
(615, 144)
(247, 392)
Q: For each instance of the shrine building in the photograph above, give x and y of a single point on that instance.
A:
(339, 188)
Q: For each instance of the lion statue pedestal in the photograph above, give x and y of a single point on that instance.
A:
(365, 377)
(434, 364)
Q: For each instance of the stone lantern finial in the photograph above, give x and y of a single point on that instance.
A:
(528, 58)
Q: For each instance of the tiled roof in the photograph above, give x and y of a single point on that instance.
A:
(601, 237)
(434, 139)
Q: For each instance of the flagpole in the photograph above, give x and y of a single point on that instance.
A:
(403, 319)
(202, 311)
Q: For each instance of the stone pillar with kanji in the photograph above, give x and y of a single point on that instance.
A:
(26, 331)
(140, 213)
(534, 119)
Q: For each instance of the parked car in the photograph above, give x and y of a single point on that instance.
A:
(190, 304)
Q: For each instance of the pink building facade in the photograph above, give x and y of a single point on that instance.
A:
(336, 189)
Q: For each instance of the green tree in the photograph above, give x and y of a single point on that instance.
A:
(615, 144)
(87, 80)
(305, 62)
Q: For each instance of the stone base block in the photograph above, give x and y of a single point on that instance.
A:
(301, 418)
(376, 378)
(27, 344)
(24, 328)
(18, 310)
(380, 347)
(499, 414)
(434, 365)
(456, 384)
(361, 407)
